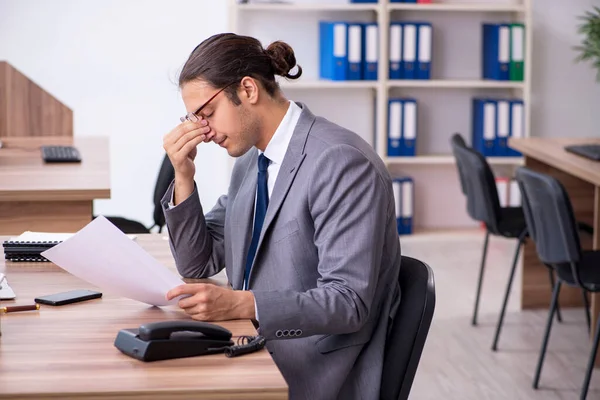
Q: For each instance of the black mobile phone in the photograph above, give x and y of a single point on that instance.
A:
(73, 296)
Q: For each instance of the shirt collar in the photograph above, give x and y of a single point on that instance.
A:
(277, 146)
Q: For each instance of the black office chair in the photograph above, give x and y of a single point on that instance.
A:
(483, 205)
(409, 329)
(552, 226)
(166, 174)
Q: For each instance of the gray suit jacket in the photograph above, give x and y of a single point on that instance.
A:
(325, 275)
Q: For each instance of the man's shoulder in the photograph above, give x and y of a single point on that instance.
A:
(325, 136)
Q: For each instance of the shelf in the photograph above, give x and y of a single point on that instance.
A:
(448, 159)
(326, 84)
(308, 7)
(455, 84)
(402, 83)
(468, 7)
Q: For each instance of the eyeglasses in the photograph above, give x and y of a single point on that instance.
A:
(193, 116)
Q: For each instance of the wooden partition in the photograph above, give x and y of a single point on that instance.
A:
(28, 110)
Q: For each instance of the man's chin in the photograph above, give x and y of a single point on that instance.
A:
(236, 152)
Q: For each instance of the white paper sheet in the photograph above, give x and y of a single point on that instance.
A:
(29, 236)
(6, 292)
(105, 257)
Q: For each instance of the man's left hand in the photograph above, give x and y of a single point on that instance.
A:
(208, 302)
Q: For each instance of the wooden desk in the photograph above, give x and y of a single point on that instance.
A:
(50, 197)
(581, 178)
(67, 352)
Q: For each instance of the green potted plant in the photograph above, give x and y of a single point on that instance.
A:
(590, 45)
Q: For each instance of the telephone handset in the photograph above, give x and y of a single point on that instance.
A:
(164, 329)
(173, 339)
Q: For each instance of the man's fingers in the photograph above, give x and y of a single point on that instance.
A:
(180, 130)
(188, 288)
(196, 301)
(177, 146)
(189, 146)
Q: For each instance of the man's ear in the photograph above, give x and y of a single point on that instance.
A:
(249, 90)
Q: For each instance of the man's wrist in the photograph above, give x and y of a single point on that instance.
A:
(245, 304)
(182, 189)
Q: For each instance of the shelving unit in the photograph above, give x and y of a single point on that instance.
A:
(448, 160)
(462, 7)
(306, 7)
(319, 84)
(362, 105)
(455, 84)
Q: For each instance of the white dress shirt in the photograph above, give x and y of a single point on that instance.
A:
(278, 144)
(276, 149)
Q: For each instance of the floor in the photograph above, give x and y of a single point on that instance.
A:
(458, 363)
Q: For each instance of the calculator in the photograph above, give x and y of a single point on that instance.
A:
(58, 154)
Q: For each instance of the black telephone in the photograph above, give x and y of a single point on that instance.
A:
(173, 339)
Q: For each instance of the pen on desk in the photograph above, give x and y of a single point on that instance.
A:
(10, 309)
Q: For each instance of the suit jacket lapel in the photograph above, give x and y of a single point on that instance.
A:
(243, 214)
(289, 168)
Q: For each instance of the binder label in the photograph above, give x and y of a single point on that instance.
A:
(502, 189)
(514, 194)
(425, 43)
(517, 120)
(395, 120)
(410, 43)
(504, 45)
(517, 43)
(395, 43)
(396, 188)
(371, 53)
(489, 121)
(410, 120)
(339, 40)
(503, 119)
(407, 204)
(354, 42)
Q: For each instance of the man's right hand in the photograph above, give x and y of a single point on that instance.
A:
(180, 145)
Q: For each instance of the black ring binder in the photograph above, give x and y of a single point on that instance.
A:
(26, 251)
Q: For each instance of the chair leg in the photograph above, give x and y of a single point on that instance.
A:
(590, 366)
(586, 305)
(538, 371)
(483, 257)
(507, 294)
(551, 275)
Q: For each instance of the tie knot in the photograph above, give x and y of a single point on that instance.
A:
(263, 163)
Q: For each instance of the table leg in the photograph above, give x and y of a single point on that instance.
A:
(44, 216)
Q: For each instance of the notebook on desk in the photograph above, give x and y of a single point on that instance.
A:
(29, 245)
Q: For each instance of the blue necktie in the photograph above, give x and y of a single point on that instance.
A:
(262, 201)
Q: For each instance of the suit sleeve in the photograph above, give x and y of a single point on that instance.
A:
(196, 240)
(349, 205)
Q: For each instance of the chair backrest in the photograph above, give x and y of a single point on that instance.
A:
(458, 141)
(409, 329)
(166, 174)
(549, 216)
(477, 183)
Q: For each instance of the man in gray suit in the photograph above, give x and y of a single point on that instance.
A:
(307, 231)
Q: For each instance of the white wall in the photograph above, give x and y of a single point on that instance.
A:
(115, 63)
(565, 95)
